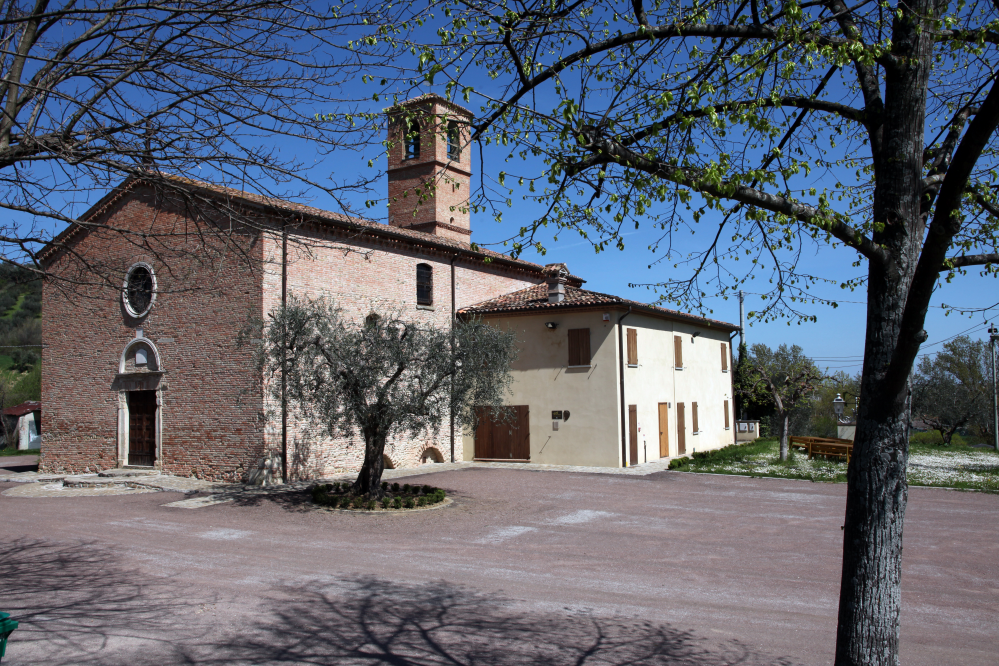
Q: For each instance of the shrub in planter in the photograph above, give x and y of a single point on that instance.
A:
(370, 505)
(406, 488)
(409, 503)
(422, 501)
(427, 490)
(384, 486)
(397, 502)
(395, 487)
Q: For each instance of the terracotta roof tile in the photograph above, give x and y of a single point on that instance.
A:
(23, 408)
(536, 299)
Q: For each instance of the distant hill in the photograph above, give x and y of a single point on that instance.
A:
(20, 297)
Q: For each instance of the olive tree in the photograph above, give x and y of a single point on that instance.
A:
(775, 127)
(787, 376)
(953, 389)
(383, 376)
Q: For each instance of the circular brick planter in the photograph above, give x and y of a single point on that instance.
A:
(440, 505)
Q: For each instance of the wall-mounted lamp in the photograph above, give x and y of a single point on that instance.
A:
(551, 325)
(694, 335)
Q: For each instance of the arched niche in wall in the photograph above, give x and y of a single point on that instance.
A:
(140, 355)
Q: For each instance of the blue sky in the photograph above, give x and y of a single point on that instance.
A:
(837, 337)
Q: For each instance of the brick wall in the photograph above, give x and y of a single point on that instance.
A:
(212, 420)
(365, 277)
(218, 422)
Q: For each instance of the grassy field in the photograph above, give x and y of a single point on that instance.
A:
(956, 466)
(15, 452)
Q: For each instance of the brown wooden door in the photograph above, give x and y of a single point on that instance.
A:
(142, 428)
(663, 430)
(500, 438)
(681, 427)
(633, 434)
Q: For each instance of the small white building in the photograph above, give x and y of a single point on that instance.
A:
(27, 419)
(604, 381)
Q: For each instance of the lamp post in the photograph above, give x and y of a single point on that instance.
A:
(838, 406)
(993, 339)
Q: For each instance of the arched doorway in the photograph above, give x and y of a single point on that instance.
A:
(431, 455)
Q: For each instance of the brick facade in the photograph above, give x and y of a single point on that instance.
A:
(215, 419)
(209, 395)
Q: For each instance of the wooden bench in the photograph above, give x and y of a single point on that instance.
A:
(823, 446)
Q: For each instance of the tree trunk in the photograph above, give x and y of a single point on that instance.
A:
(877, 491)
(369, 480)
(785, 423)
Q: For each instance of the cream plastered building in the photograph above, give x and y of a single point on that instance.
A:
(604, 381)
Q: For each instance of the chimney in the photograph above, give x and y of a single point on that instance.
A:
(556, 275)
(430, 167)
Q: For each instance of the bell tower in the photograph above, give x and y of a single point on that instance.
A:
(429, 167)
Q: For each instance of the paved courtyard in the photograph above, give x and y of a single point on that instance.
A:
(525, 567)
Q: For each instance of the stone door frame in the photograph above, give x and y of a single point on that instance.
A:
(126, 382)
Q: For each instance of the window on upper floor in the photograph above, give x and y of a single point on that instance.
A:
(413, 141)
(424, 284)
(139, 291)
(633, 347)
(579, 347)
(453, 140)
(678, 352)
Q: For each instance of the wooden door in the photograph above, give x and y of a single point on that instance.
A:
(633, 434)
(142, 428)
(663, 430)
(681, 428)
(503, 438)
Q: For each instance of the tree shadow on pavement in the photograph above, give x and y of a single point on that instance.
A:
(369, 621)
(77, 604)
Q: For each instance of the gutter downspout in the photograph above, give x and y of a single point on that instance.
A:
(731, 379)
(284, 356)
(624, 416)
(453, 312)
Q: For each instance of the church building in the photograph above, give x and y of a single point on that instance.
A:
(157, 374)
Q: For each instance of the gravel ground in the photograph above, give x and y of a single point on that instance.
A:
(526, 567)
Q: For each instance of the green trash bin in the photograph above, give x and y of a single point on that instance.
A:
(7, 626)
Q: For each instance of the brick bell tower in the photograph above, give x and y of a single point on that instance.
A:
(429, 167)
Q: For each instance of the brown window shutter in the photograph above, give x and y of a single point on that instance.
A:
(632, 346)
(726, 415)
(579, 346)
(677, 351)
(724, 357)
(693, 417)
(681, 430)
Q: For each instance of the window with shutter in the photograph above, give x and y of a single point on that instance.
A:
(632, 347)
(677, 352)
(727, 426)
(724, 357)
(693, 417)
(424, 284)
(579, 347)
